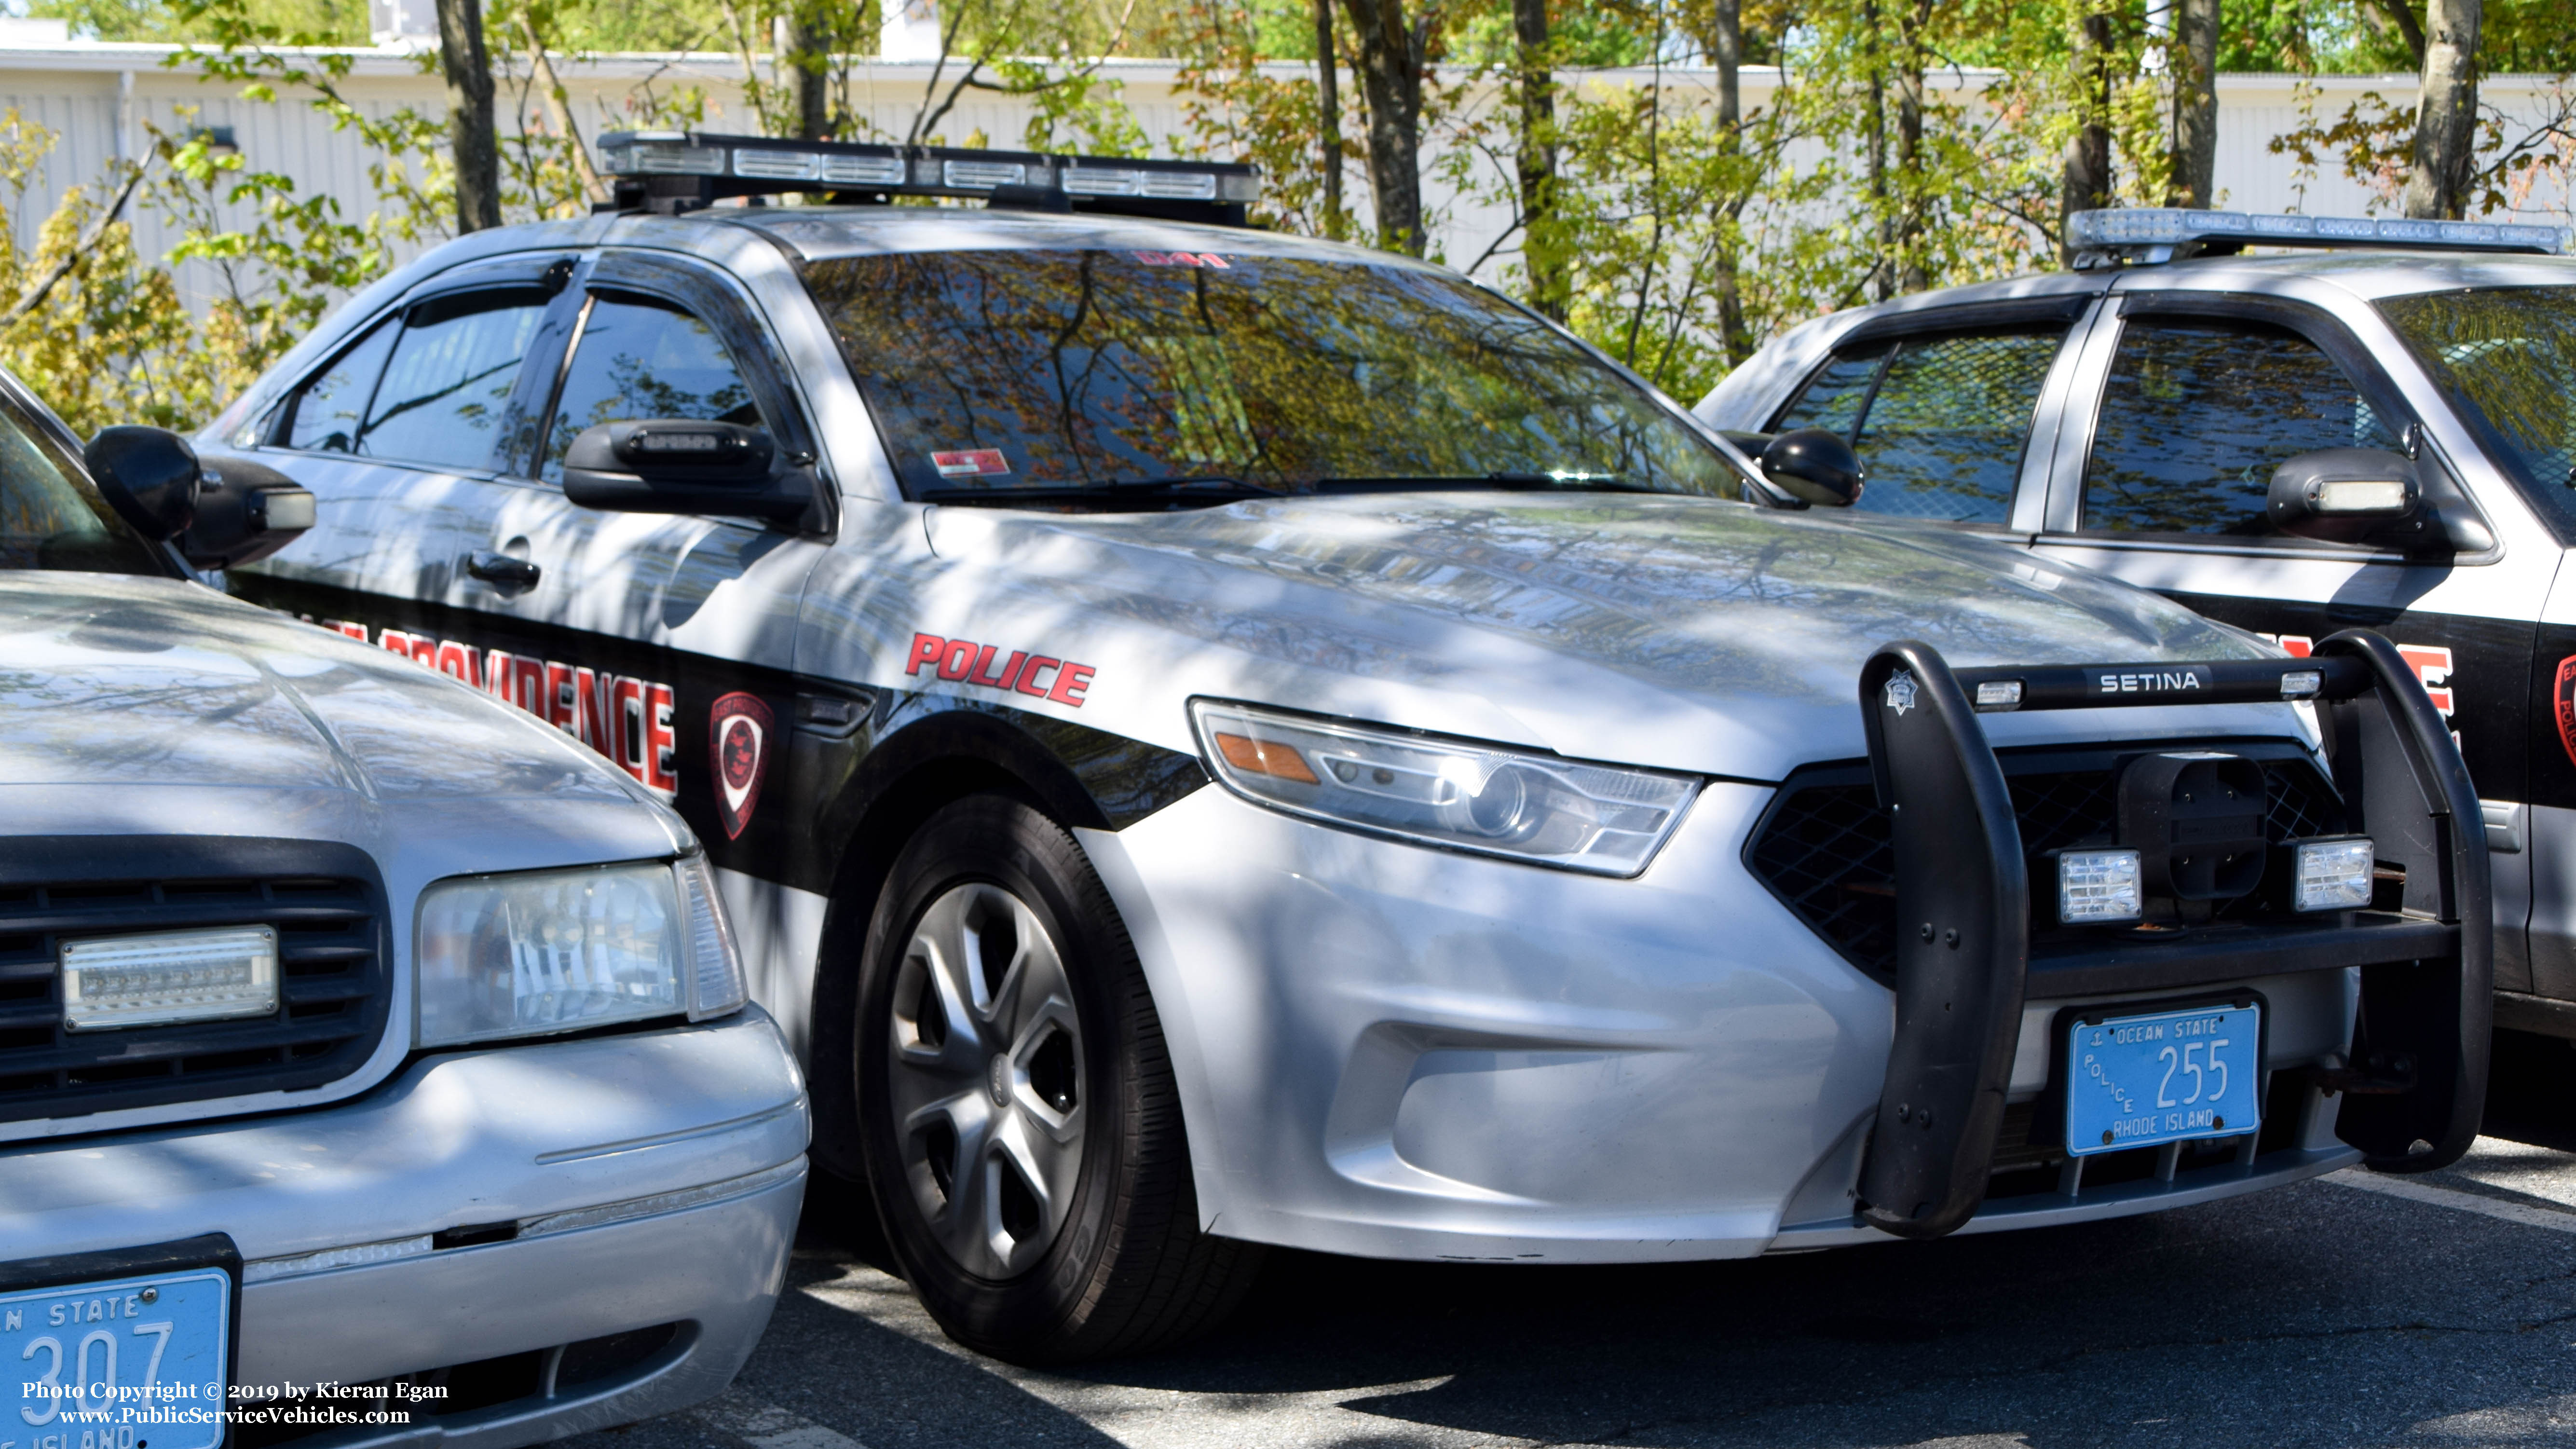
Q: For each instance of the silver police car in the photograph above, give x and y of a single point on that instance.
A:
(374, 1063)
(1216, 739)
(2373, 430)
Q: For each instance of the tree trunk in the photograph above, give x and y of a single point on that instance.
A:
(2195, 103)
(1726, 49)
(2409, 29)
(2084, 182)
(1546, 267)
(2446, 120)
(808, 72)
(1328, 97)
(559, 108)
(1881, 278)
(1391, 87)
(470, 135)
(1909, 189)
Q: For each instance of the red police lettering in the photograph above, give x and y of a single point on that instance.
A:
(1020, 671)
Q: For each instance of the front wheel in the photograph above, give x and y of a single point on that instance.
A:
(1022, 1129)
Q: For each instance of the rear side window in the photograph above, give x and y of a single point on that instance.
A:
(1939, 420)
(642, 358)
(2197, 414)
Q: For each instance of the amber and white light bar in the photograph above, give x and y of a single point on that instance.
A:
(764, 164)
(2153, 233)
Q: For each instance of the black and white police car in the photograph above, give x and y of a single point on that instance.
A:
(1214, 739)
(351, 1090)
(2376, 430)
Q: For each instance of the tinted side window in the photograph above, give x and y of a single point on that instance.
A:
(1941, 421)
(450, 376)
(2197, 414)
(642, 358)
(333, 405)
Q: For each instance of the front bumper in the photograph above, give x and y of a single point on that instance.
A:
(602, 1223)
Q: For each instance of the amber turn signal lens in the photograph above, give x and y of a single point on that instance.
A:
(1262, 758)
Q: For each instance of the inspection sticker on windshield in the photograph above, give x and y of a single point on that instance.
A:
(124, 1363)
(2136, 1081)
(970, 463)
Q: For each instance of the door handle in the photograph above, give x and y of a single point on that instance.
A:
(502, 571)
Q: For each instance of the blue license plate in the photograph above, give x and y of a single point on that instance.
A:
(118, 1363)
(2165, 1076)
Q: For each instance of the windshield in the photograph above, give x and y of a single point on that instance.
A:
(50, 516)
(2507, 358)
(1125, 370)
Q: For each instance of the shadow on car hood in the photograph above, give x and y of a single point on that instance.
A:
(107, 680)
(1681, 631)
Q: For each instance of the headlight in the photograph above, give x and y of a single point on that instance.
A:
(1483, 798)
(566, 950)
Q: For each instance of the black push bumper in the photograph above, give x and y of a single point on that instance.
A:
(1965, 960)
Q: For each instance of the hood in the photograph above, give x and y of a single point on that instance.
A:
(1683, 632)
(154, 706)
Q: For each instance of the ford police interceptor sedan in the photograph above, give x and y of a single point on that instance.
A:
(1215, 740)
(2164, 413)
(356, 1034)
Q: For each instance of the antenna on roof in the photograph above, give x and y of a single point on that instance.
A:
(2149, 234)
(670, 172)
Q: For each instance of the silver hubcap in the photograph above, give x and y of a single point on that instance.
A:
(986, 1080)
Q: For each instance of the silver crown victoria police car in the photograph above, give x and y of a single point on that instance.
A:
(1214, 739)
(373, 1064)
(2378, 430)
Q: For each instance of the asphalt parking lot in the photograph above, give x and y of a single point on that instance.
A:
(2440, 1312)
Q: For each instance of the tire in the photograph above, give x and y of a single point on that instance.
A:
(1016, 1103)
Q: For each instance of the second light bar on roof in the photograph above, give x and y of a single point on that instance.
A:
(2140, 231)
(763, 163)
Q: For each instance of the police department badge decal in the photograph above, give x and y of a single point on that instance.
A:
(1900, 691)
(738, 750)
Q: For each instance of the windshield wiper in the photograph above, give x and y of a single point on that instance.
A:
(1210, 490)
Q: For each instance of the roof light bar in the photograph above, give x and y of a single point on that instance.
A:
(682, 170)
(2162, 233)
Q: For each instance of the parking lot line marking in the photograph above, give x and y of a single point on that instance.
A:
(2453, 1198)
(764, 1425)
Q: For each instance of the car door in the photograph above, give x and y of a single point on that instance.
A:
(1941, 406)
(403, 437)
(650, 635)
(2182, 406)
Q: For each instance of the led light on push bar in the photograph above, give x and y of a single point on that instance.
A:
(2333, 875)
(2097, 886)
(2302, 683)
(1999, 694)
(169, 978)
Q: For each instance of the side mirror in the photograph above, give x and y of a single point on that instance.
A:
(1815, 466)
(245, 512)
(150, 476)
(2342, 495)
(676, 465)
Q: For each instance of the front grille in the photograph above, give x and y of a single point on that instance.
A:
(324, 900)
(1825, 849)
